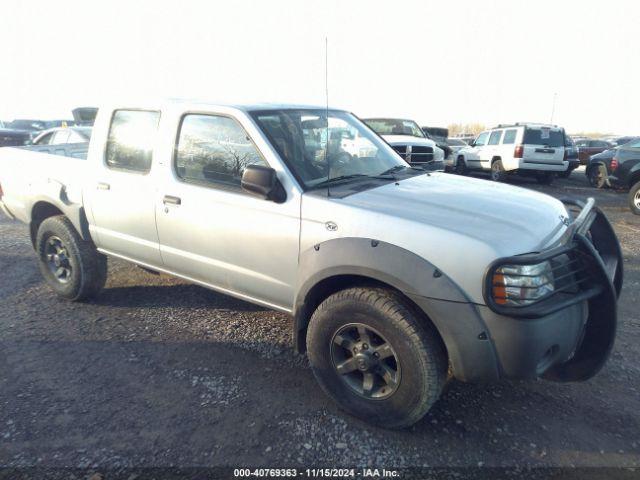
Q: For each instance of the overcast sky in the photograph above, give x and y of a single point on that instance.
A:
(436, 62)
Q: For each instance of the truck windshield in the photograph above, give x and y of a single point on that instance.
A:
(317, 147)
(393, 126)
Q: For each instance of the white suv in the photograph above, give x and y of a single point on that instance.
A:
(524, 148)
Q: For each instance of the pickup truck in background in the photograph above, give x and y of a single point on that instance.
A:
(397, 278)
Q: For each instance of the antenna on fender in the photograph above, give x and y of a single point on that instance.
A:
(326, 94)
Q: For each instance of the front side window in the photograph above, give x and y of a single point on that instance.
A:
(318, 147)
(131, 138)
(214, 150)
(494, 139)
(482, 139)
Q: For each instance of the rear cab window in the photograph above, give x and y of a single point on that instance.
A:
(549, 137)
(131, 139)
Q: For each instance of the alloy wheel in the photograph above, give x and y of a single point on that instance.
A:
(57, 259)
(365, 361)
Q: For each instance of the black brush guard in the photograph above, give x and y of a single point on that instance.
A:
(587, 266)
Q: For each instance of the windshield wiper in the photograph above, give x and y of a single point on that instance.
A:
(339, 178)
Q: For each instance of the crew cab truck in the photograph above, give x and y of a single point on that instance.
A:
(527, 149)
(397, 279)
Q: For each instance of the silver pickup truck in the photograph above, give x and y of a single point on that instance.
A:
(397, 279)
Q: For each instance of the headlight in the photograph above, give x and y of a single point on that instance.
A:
(438, 154)
(521, 285)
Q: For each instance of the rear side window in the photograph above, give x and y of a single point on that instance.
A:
(130, 142)
(509, 137)
(543, 136)
(214, 150)
(494, 139)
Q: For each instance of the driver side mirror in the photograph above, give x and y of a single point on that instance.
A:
(263, 182)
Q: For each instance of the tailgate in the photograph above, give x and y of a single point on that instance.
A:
(543, 145)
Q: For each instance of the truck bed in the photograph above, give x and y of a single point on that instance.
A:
(39, 171)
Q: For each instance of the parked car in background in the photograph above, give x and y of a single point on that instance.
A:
(467, 138)
(455, 144)
(60, 135)
(523, 148)
(625, 172)
(589, 147)
(396, 280)
(619, 141)
(409, 141)
(27, 125)
(571, 156)
(598, 167)
(438, 135)
(10, 137)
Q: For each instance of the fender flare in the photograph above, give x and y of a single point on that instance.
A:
(439, 298)
(56, 196)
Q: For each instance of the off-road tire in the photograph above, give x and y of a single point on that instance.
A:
(88, 267)
(634, 198)
(497, 171)
(421, 355)
(545, 178)
(597, 176)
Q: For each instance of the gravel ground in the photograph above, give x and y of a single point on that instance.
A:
(157, 372)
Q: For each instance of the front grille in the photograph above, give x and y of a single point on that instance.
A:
(414, 154)
(401, 150)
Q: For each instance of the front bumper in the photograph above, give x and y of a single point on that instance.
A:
(532, 165)
(567, 336)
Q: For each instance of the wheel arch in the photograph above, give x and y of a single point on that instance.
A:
(337, 264)
(44, 208)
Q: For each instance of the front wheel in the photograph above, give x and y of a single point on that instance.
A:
(461, 167)
(71, 266)
(634, 198)
(375, 357)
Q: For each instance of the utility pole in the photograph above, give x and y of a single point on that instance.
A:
(553, 107)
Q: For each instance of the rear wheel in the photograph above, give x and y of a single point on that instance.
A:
(634, 198)
(597, 176)
(545, 178)
(497, 171)
(71, 266)
(375, 357)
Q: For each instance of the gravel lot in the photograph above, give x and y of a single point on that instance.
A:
(157, 372)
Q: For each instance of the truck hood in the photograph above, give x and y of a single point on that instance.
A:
(408, 140)
(505, 219)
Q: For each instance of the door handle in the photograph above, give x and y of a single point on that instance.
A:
(104, 186)
(169, 199)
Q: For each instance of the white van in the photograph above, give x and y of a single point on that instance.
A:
(523, 148)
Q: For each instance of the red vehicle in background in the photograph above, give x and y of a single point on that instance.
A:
(589, 147)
